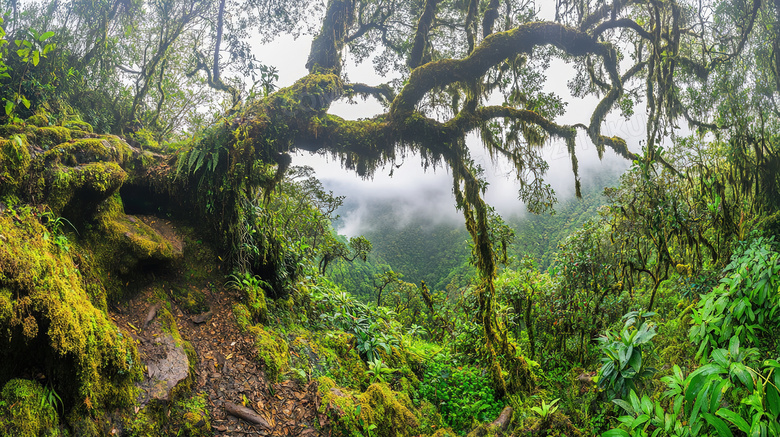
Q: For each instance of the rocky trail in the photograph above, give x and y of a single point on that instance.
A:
(226, 369)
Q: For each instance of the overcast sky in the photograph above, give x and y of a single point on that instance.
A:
(429, 194)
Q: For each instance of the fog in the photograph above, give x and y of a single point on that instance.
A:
(427, 195)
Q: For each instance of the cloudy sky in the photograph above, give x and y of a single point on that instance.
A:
(429, 194)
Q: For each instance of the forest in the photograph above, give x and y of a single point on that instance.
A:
(167, 269)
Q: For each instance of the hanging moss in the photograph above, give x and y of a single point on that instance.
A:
(24, 411)
(48, 322)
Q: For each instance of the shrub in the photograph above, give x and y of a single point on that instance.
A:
(463, 394)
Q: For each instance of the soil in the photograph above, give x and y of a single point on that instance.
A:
(227, 368)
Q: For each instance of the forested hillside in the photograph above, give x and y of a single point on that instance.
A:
(167, 269)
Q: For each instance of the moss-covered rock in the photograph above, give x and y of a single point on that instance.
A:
(380, 410)
(272, 351)
(78, 125)
(48, 322)
(329, 354)
(75, 192)
(124, 241)
(39, 120)
(25, 410)
(50, 136)
(14, 163)
(89, 150)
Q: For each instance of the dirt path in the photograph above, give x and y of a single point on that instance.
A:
(227, 370)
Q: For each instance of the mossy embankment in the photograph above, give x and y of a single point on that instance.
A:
(65, 244)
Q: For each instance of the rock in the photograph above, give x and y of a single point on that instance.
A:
(151, 313)
(167, 366)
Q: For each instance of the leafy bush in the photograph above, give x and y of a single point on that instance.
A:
(624, 367)
(705, 402)
(463, 394)
(746, 304)
(372, 327)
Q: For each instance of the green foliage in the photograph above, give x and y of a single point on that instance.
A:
(746, 303)
(378, 370)
(372, 327)
(722, 397)
(463, 394)
(253, 295)
(546, 410)
(588, 296)
(625, 366)
(21, 79)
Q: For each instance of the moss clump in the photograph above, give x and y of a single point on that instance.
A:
(24, 411)
(380, 409)
(148, 422)
(256, 303)
(88, 150)
(14, 163)
(190, 298)
(190, 417)
(240, 312)
(39, 120)
(53, 325)
(78, 125)
(272, 350)
(77, 191)
(50, 136)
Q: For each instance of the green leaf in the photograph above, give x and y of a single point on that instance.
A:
(635, 401)
(773, 400)
(9, 107)
(25, 102)
(636, 360)
(624, 405)
(718, 424)
(46, 36)
(741, 372)
(720, 356)
(639, 420)
(615, 433)
(734, 346)
(734, 418)
(647, 405)
(717, 394)
(36, 58)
